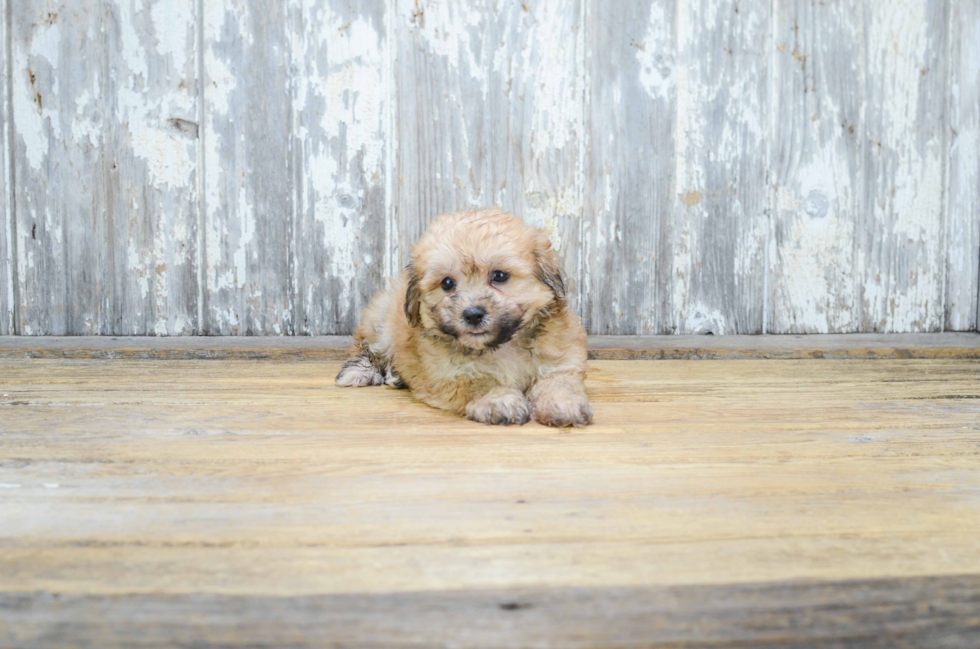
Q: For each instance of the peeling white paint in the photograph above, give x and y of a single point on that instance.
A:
(31, 123)
(861, 240)
(963, 165)
(655, 54)
(173, 25)
(132, 46)
(6, 227)
(168, 158)
(449, 29)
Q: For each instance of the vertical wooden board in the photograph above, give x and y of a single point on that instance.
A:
(858, 167)
(536, 86)
(720, 143)
(630, 173)
(341, 106)
(247, 169)
(151, 166)
(57, 83)
(441, 76)
(963, 168)
(817, 167)
(6, 193)
(902, 257)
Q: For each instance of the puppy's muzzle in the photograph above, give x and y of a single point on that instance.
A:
(474, 315)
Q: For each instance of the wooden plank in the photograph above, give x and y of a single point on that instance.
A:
(963, 168)
(839, 346)
(787, 347)
(818, 144)
(920, 612)
(630, 167)
(6, 188)
(858, 160)
(58, 126)
(248, 169)
(819, 499)
(441, 81)
(720, 142)
(536, 86)
(152, 167)
(341, 137)
(905, 155)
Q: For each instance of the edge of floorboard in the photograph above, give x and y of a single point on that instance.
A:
(964, 345)
(929, 611)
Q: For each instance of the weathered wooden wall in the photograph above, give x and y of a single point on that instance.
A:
(261, 166)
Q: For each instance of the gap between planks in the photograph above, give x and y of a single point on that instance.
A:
(964, 345)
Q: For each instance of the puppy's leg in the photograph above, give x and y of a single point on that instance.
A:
(370, 356)
(559, 400)
(503, 406)
(358, 372)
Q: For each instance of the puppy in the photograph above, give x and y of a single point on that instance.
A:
(478, 325)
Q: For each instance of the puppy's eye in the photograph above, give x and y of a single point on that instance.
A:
(448, 284)
(499, 277)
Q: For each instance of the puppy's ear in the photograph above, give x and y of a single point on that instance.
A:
(413, 298)
(549, 272)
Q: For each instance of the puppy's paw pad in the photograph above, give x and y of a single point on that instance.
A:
(562, 411)
(358, 372)
(502, 409)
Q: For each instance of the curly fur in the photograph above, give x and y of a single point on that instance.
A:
(525, 360)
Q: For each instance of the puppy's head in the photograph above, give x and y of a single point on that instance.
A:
(480, 277)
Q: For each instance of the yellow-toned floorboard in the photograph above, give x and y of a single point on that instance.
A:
(257, 477)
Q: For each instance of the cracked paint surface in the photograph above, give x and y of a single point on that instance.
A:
(243, 167)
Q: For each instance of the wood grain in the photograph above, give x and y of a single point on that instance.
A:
(442, 164)
(886, 613)
(839, 346)
(58, 119)
(746, 501)
(858, 234)
(630, 167)
(721, 201)
(151, 167)
(6, 187)
(963, 198)
(341, 104)
(537, 124)
(251, 167)
(248, 169)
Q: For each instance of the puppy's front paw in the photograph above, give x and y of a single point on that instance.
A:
(499, 406)
(561, 408)
(358, 372)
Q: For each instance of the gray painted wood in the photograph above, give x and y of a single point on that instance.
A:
(721, 200)
(963, 197)
(6, 191)
(340, 78)
(151, 167)
(537, 123)
(629, 169)
(677, 167)
(57, 85)
(858, 167)
(703, 166)
(442, 61)
(248, 169)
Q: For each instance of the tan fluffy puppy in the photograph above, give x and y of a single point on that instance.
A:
(478, 325)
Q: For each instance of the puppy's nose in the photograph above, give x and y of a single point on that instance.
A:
(474, 315)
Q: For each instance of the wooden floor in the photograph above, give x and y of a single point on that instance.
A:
(154, 503)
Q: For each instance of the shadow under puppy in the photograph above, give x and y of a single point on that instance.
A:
(478, 325)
